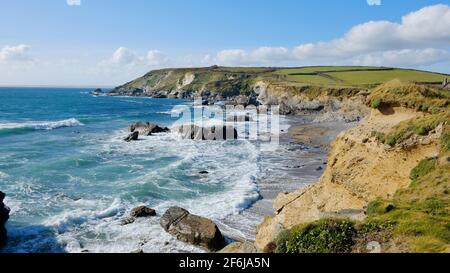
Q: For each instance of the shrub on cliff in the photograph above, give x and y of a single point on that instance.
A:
(415, 96)
(423, 168)
(421, 212)
(376, 103)
(323, 236)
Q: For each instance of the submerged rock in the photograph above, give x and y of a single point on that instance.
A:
(98, 92)
(147, 128)
(192, 229)
(4, 216)
(195, 132)
(132, 137)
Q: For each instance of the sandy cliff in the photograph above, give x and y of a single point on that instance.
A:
(360, 169)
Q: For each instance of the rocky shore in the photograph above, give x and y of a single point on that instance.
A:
(4, 216)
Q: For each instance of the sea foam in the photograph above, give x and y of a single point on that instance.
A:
(42, 125)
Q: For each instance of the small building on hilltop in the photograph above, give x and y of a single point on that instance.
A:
(446, 84)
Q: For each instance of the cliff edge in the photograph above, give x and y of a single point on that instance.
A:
(373, 161)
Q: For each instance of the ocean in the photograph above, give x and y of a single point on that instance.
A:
(70, 178)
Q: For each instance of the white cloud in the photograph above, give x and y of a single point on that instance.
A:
(73, 2)
(261, 55)
(270, 54)
(374, 2)
(427, 27)
(156, 58)
(232, 57)
(14, 53)
(124, 56)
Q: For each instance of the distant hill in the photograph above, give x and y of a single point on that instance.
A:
(234, 81)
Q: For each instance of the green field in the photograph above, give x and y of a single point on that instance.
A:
(240, 80)
(377, 77)
(313, 69)
(355, 75)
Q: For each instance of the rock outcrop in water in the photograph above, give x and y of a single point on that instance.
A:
(194, 132)
(192, 229)
(4, 216)
(138, 212)
(147, 128)
(132, 137)
(142, 211)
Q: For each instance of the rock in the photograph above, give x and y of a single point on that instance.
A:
(137, 251)
(132, 137)
(319, 168)
(195, 132)
(192, 229)
(127, 221)
(138, 212)
(147, 128)
(203, 172)
(4, 216)
(98, 92)
(241, 248)
(142, 211)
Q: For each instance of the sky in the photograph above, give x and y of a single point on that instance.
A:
(110, 42)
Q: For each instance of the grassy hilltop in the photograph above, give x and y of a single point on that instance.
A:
(233, 81)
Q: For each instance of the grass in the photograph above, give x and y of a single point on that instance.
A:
(323, 236)
(311, 79)
(425, 167)
(214, 79)
(313, 69)
(420, 213)
(419, 97)
(417, 126)
(377, 77)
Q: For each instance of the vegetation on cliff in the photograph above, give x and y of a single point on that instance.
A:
(416, 218)
(234, 81)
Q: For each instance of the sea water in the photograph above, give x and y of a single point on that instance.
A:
(70, 178)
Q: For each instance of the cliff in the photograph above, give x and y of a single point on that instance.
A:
(373, 162)
(337, 91)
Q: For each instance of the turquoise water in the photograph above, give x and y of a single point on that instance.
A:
(70, 178)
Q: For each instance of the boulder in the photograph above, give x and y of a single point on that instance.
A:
(192, 229)
(4, 216)
(132, 137)
(142, 211)
(147, 128)
(195, 132)
(138, 212)
(240, 247)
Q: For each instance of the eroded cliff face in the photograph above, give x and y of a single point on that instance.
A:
(332, 102)
(245, 88)
(360, 170)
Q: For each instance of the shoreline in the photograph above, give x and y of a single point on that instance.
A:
(300, 161)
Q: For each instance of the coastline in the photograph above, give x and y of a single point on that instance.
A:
(301, 160)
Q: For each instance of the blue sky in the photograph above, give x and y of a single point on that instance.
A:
(108, 42)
